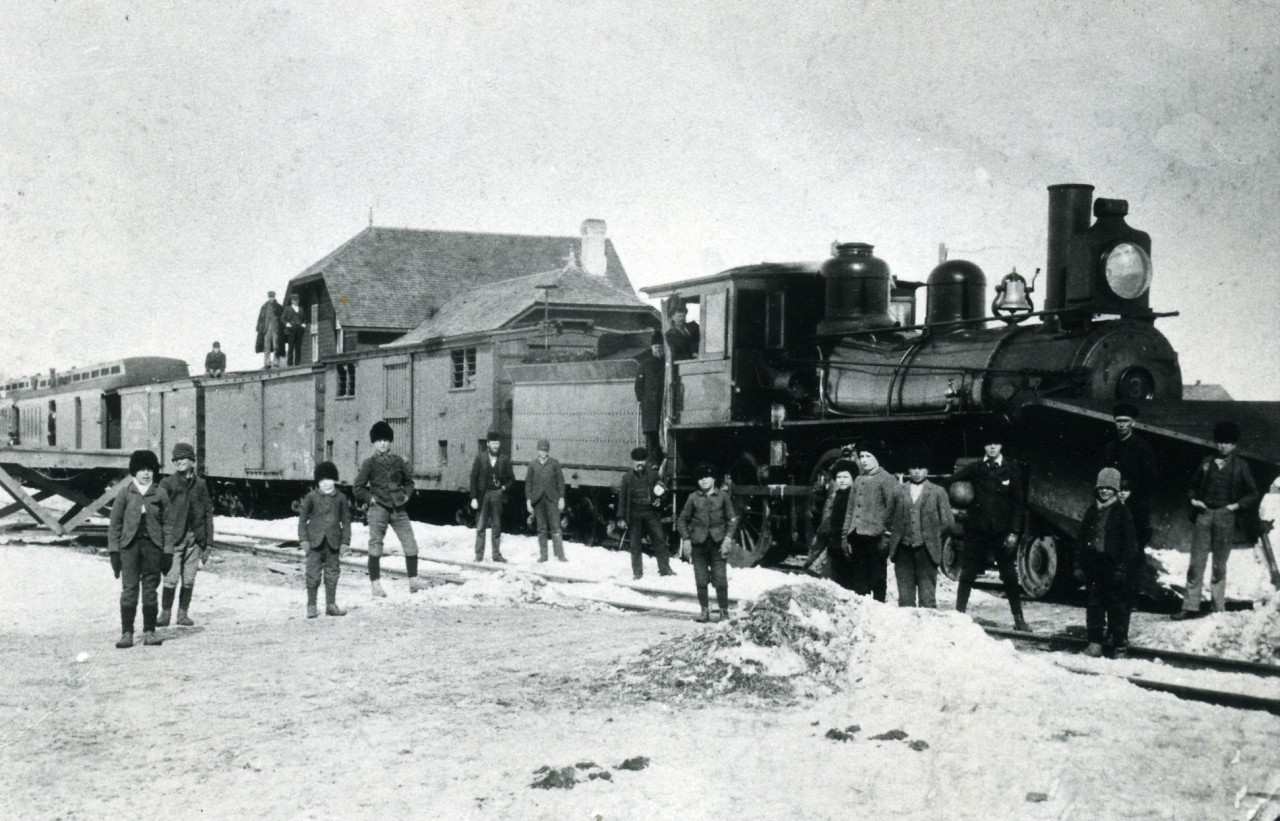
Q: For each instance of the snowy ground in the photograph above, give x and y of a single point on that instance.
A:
(447, 703)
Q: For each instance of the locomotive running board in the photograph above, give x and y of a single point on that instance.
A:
(82, 507)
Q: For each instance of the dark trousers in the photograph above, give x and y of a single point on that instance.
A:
(973, 560)
(546, 515)
(651, 442)
(1213, 536)
(1106, 615)
(322, 560)
(643, 520)
(915, 573)
(709, 568)
(868, 567)
(293, 347)
(489, 516)
(139, 571)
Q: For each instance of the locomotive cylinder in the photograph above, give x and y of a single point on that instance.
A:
(1070, 208)
(857, 286)
(956, 291)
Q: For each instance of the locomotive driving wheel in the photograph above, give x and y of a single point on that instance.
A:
(755, 533)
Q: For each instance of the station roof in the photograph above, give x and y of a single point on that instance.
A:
(392, 278)
(493, 306)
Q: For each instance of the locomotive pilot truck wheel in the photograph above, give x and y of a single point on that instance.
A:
(1043, 564)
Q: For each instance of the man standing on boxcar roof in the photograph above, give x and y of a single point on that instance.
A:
(291, 319)
(270, 342)
(1132, 455)
(1221, 487)
(649, 382)
(215, 361)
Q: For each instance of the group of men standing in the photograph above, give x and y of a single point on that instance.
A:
(280, 331)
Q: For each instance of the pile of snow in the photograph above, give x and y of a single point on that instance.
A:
(1248, 577)
(504, 589)
(1252, 635)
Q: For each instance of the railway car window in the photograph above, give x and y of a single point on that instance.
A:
(442, 457)
(115, 369)
(714, 322)
(52, 425)
(463, 361)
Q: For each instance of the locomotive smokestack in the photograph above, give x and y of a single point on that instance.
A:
(1069, 214)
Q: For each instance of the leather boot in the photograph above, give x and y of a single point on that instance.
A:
(166, 607)
(480, 545)
(184, 604)
(151, 639)
(1019, 623)
(497, 549)
(331, 607)
(126, 640)
(724, 614)
(1094, 650)
(962, 595)
(704, 616)
(378, 592)
(311, 603)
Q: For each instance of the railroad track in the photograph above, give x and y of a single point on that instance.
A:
(661, 604)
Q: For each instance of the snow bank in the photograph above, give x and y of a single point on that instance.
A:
(1247, 575)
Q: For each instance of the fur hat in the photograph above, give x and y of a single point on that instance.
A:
(183, 451)
(704, 470)
(1125, 409)
(493, 436)
(1226, 433)
(143, 460)
(992, 435)
(381, 432)
(844, 465)
(917, 456)
(326, 470)
(873, 446)
(639, 454)
(1109, 477)
(544, 444)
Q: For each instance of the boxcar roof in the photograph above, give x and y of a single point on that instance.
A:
(393, 278)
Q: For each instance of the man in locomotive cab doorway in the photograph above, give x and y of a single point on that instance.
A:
(649, 387)
(188, 533)
(682, 336)
(270, 342)
(385, 483)
(641, 496)
(491, 478)
(872, 522)
(291, 320)
(1133, 456)
(926, 521)
(1222, 492)
(544, 498)
(215, 361)
(995, 522)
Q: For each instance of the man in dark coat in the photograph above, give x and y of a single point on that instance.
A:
(1220, 488)
(215, 361)
(994, 523)
(1106, 562)
(640, 499)
(544, 498)
(491, 478)
(188, 533)
(1132, 455)
(291, 319)
(649, 384)
(682, 337)
(270, 342)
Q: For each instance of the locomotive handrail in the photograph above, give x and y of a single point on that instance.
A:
(955, 323)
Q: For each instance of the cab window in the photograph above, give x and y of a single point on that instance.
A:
(714, 323)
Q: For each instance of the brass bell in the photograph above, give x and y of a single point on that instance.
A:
(1013, 295)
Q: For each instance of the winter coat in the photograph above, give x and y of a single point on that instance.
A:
(544, 481)
(936, 520)
(131, 511)
(873, 510)
(483, 474)
(1243, 492)
(999, 501)
(683, 343)
(325, 517)
(190, 510)
(649, 381)
(707, 515)
(269, 314)
(1120, 551)
(635, 494)
(291, 320)
(384, 479)
(215, 362)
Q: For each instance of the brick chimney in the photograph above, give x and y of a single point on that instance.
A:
(594, 234)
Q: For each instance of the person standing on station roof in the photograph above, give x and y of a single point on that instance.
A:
(682, 337)
(994, 524)
(706, 525)
(270, 342)
(491, 478)
(544, 498)
(1221, 487)
(385, 483)
(1105, 562)
(291, 318)
(135, 545)
(215, 361)
(188, 532)
(649, 388)
(925, 521)
(640, 497)
(1133, 456)
(324, 531)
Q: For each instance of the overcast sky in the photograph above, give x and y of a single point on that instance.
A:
(164, 164)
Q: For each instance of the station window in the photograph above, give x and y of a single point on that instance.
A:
(347, 379)
(464, 368)
(315, 332)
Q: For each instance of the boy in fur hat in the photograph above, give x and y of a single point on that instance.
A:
(1106, 563)
(188, 530)
(872, 522)
(706, 525)
(829, 539)
(1220, 487)
(385, 484)
(135, 540)
(324, 529)
(925, 522)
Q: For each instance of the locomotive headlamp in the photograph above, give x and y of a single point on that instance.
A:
(1128, 270)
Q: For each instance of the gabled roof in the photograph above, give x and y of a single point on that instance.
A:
(394, 278)
(493, 306)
